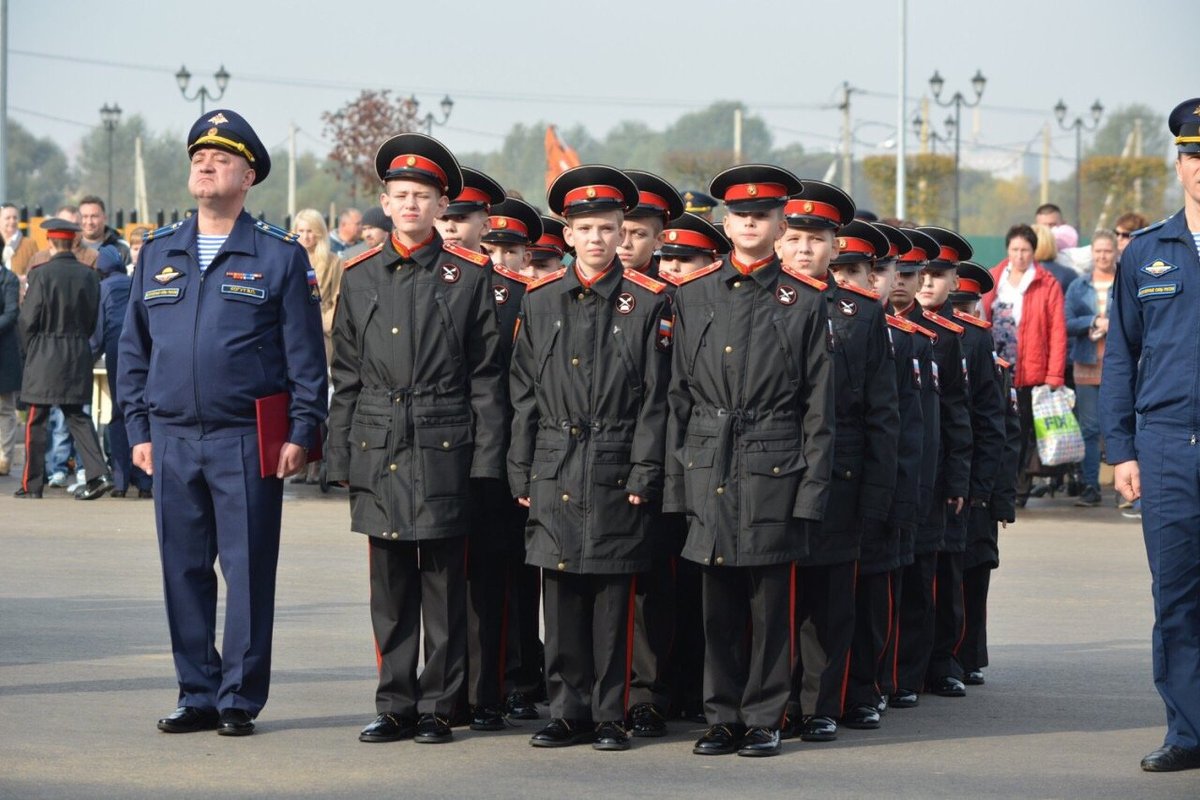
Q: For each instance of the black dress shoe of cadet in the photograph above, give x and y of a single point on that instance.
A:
(487, 718)
(36, 494)
(949, 686)
(388, 728)
(819, 729)
(1172, 758)
(905, 698)
(94, 488)
(760, 742)
(433, 729)
(189, 719)
(611, 736)
(564, 733)
(861, 718)
(117, 493)
(647, 721)
(790, 728)
(235, 722)
(720, 739)
(518, 706)
(974, 678)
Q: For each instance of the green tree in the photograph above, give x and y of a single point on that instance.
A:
(1120, 122)
(38, 171)
(712, 129)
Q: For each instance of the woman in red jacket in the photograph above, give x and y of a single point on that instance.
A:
(1029, 328)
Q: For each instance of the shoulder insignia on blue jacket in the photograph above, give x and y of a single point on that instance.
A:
(643, 280)
(165, 230)
(551, 278)
(363, 256)
(478, 259)
(274, 230)
(1153, 226)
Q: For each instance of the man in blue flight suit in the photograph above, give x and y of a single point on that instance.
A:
(1151, 418)
(223, 311)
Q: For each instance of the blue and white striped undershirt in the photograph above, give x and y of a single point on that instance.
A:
(207, 247)
(1196, 238)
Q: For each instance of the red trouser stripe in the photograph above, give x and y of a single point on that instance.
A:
(629, 617)
(846, 668)
(374, 638)
(962, 631)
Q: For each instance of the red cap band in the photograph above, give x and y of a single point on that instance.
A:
(550, 240)
(754, 191)
(419, 163)
(470, 194)
(508, 224)
(947, 253)
(60, 234)
(968, 285)
(812, 208)
(685, 238)
(852, 244)
(893, 249)
(657, 202)
(914, 256)
(588, 194)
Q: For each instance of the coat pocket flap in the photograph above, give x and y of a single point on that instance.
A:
(449, 437)
(775, 463)
(611, 474)
(697, 457)
(368, 437)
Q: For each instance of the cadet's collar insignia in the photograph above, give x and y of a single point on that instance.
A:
(625, 303)
(500, 293)
(218, 119)
(451, 273)
(167, 274)
(662, 340)
(848, 307)
(1158, 268)
(785, 294)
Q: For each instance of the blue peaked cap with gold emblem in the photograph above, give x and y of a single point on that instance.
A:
(1185, 125)
(228, 130)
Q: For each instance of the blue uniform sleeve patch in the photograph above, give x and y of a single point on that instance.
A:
(1157, 291)
(158, 294)
(1158, 268)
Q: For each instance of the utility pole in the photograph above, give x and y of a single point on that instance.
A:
(4, 100)
(291, 197)
(737, 135)
(1045, 193)
(1137, 153)
(901, 127)
(847, 139)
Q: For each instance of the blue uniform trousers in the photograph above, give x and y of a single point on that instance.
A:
(210, 502)
(1170, 471)
(119, 451)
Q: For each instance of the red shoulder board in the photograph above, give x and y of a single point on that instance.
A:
(901, 324)
(972, 320)
(820, 286)
(644, 281)
(512, 276)
(925, 331)
(363, 256)
(938, 319)
(700, 273)
(551, 278)
(478, 259)
(849, 287)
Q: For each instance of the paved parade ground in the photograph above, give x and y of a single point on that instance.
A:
(85, 671)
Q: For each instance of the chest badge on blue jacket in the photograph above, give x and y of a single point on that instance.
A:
(1158, 268)
(167, 274)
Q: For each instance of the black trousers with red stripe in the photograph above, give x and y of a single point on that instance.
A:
(872, 634)
(825, 610)
(653, 634)
(973, 653)
(493, 643)
(915, 632)
(79, 423)
(948, 618)
(885, 676)
(588, 622)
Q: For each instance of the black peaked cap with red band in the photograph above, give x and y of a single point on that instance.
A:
(551, 243)
(479, 193)
(689, 235)
(973, 282)
(755, 187)
(819, 205)
(952, 248)
(228, 130)
(417, 157)
(859, 240)
(591, 188)
(924, 247)
(898, 242)
(56, 228)
(656, 197)
(513, 221)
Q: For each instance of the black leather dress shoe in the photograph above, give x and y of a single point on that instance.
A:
(974, 678)
(760, 742)
(518, 706)
(235, 722)
(388, 728)
(905, 698)
(96, 487)
(117, 493)
(790, 728)
(818, 729)
(949, 686)
(144, 494)
(720, 740)
(36, 494)
(188, 719)
(861, 718)
(433, 729)
(1172, 758)
(564, 733)
(611, 736)
(487, 718)
(646, 720)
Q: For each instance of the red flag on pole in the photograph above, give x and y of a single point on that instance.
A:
(560, 157)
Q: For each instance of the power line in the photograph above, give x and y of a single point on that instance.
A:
(51, 117)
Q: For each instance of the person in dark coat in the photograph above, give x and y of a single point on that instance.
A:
(57, 318)
(114, 298)
(10, 365)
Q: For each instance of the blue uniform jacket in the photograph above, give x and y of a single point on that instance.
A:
(199, 348)
(1152, 356)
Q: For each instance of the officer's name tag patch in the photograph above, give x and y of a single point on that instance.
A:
(158, 294)
(1158, 268)
(1158, 291)
(237, 290)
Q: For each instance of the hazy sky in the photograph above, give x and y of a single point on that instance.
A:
(597, 63)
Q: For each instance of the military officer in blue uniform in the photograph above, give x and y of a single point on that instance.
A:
(223, 311)
(1150, 410)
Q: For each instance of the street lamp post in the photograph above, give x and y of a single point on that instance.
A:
(1060, 113)
(934, 137)
(183, 77)
(936, 83)
(412, 104)
(110, 116)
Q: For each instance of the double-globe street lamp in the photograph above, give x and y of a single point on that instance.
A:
(1060, 113)
(183, 77)
(426, 123)
(936, 84)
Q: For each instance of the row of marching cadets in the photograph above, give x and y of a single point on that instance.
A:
(752, 474)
